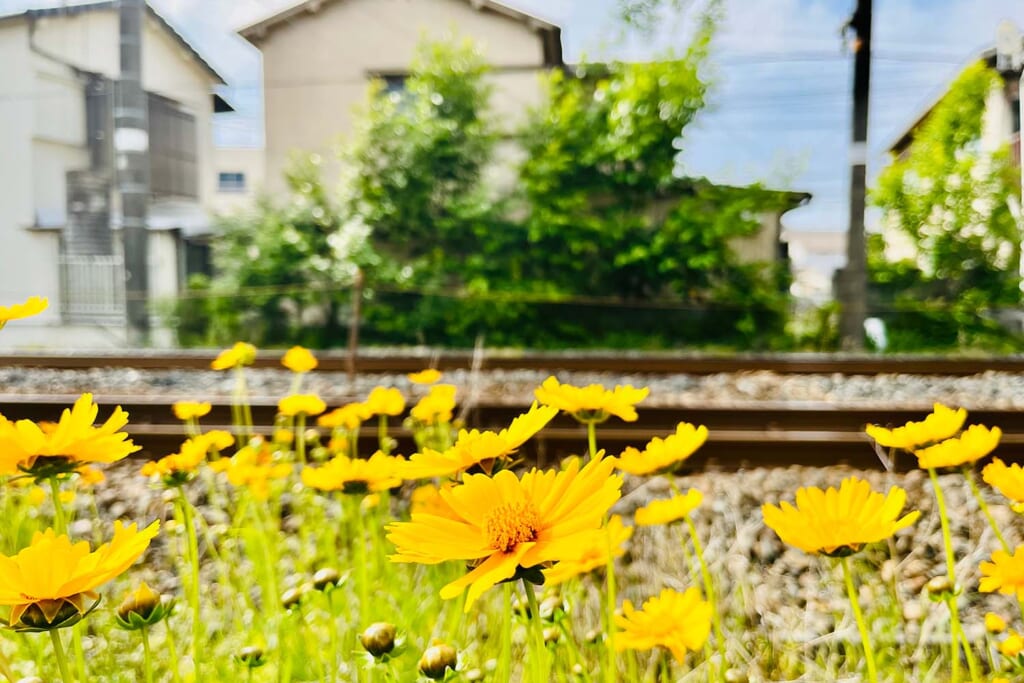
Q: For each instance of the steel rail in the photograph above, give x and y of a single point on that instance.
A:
(618, 363)
(743, 435)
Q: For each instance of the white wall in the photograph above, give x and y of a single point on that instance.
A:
(27, 258)
(248, 161)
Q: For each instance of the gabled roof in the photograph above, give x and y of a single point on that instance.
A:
(904, 139)
(256, 31)
(72, 10)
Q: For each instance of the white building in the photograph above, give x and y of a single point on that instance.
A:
(59, 213)
(320, 55)
(239, 178)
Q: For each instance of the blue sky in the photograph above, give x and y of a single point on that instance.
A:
(780, 109)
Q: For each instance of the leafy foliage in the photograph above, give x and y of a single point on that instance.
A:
(600, 226)
(284, 272)
(953, 202)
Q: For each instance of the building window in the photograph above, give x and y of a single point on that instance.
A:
(231, 182)
(394, 84)
(173, 149)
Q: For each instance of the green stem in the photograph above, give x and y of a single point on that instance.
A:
(865, 636)
(193, 596)
(300, 438)
(333, 634)
(172, 650)
(62, 660)
(592, 438)
(954, 610)
(539, 654)
(611, 602)
(245, 410)
(969, 475)
(147, 655)
(504, 670)
(60, 521)
(382, 435)
(359, 549)
(709, 591)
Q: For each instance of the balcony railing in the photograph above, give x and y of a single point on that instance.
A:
(92, 290)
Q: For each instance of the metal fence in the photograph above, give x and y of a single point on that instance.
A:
(92, 289)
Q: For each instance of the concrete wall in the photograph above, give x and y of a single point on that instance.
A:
(316, 66)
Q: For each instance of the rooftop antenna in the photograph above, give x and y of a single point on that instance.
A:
(1009, 47)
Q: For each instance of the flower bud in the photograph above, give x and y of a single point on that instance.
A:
(939, 588)
(436, 661)
(551, 635)
(140, 608)
(291, 598)
(379, 638)
(251, 656)
(326, 578)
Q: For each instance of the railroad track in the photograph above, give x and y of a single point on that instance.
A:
(619, 363)
(763, 434)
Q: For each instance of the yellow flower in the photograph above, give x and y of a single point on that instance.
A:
(254, 467)
(1009, 481)
(591, 403)
(596, 555)
(355, 475)
(34, 305)
(661, 454)
(36, 496)
(382, 401)
(45, 447)
(437, 406)
(47, 584)
(241, 354)
(283, 436)
(994, 623)
(1005, 573)
(679, 622)
(502, 523)
(190, 410)
(427, 499)
(304, 404)
(666, 511)
(428, 376)
(940, 424)
(178, 467)
(973, 444)
(348, 416)
(839, 522)
(90, 476)
(479, 448)
(216, 440)
(299, 360)
(1013, 645)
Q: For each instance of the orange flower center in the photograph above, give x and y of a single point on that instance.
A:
(510, 524)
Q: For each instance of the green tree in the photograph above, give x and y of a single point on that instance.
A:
(609, 214)
(954, 203)
(284, 271)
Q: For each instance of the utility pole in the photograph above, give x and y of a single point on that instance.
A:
(131, 145)
(853, 278)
